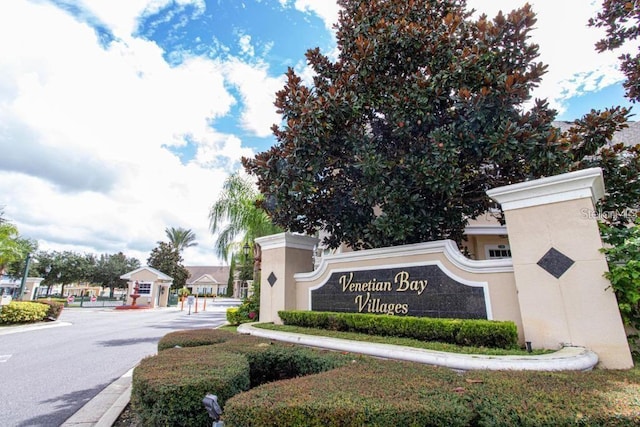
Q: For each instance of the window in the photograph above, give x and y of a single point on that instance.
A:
(144, 288)
(497, 251)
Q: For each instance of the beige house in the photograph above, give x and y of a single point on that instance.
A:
(207, 280)
(153, 286)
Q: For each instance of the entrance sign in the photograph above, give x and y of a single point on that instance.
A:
(422, 290)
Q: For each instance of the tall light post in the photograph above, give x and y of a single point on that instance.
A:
(25, 273)
(245, 252)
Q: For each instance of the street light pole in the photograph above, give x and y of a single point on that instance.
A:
(245, 252)
(25, 273)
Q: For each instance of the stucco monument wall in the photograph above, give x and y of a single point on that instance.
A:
(553, 288)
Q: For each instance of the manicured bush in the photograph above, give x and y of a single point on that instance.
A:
(389, 393)
(484, 333)
(367, 392)
(262, 382)
(234, 316)
(475, 332)
(279, 362)
(194, 338)
(23, 312)
(168, 388)
(55, 308)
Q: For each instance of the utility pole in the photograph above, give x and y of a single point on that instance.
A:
(25, 273)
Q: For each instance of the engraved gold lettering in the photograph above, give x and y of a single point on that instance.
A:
(404, 284)
(348, 285)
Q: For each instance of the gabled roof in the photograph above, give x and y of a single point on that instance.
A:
(158, 273)
(629, 136)
(207, 274)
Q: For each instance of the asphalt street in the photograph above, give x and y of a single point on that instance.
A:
(46, 375)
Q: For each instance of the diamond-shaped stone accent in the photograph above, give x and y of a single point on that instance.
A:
(555, 262)
(272, 279)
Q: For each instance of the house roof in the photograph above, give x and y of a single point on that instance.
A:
(207, 274)
(629, 136)
(158, 273)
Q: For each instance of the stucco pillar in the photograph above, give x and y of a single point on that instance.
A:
(555, 244)
(283, 255)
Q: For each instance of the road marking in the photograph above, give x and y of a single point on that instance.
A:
(4, 357)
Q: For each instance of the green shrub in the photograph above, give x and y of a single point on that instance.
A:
(473, 332)
(233, 316)
(261, 382)
(168, 388)
(484, 333)
(55, 308)
(279, 362)
(389, 393)
(367, 392)
(23, 312)
(194, 338)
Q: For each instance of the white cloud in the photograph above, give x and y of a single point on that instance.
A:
(258, 90)
(566, 46)
(245, 46)
(326, 10)
(85, 127)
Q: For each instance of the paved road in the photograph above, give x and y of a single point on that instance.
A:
(46, 375)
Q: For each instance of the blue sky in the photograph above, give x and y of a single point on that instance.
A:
(119, 119)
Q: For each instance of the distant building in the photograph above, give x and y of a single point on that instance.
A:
(208, 280)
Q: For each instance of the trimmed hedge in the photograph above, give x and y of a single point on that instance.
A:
(23, 312)
(390, 393)
(194, 338)
(471, 332)
(168, 388)
(55, 309)
(365, 393)
(260, 382)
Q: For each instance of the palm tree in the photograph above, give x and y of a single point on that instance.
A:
(236, 216)
(181, 238)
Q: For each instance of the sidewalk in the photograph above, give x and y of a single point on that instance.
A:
(104, 409)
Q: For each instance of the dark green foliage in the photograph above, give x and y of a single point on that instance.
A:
(423, 110)
(194, 338)
(278, 362)
(249, 310)
(388, 393)
(109, 268)
(623, 258)
(167, 259)
(167, 389)
(298, 386)
(621, 20)
(469, 332)
(371, 393)
(487, 333)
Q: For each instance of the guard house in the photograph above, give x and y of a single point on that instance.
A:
(153, 286)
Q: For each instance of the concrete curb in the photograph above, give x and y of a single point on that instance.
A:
(105, 408)
(565, 359)
(6, 330)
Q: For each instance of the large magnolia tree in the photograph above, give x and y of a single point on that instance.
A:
(424, 109)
